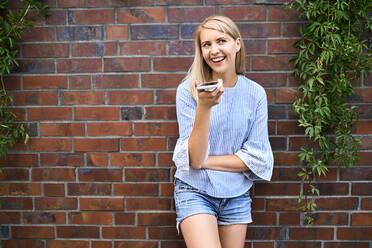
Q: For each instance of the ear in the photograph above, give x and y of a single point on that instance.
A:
(238, 43)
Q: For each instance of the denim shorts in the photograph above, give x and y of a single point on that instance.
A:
(190, 201)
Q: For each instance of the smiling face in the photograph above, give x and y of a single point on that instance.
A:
(219, 51)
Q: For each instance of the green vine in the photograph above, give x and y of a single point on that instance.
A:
(11, 29)
(332, 55)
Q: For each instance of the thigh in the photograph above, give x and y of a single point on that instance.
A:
(201, 230)
(232, 236)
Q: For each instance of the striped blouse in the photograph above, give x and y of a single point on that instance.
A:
(238, 125)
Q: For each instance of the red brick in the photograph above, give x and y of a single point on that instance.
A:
(12, 83)
(361, 219)
(67, 243)
(270, 63)
(61, 159)
(96, 145)
(366, 204)
(278, 143)
(33, 232)
(363, 127)
(49, 113)
(143, 244)
(109, 129)
(364, 158)
(62, 129)
(189, 14)
(93, 49)
(56, 17)
(361, 188)
(19, 112)
(147, 175)
(20, 189)
(56, 203)
(264, 30)
(143, 48)
(280, 46)
(142, 15)
(269, 95)
(123, 233)
(90, 218)
(80, 3)
(291, 29)
(39, 34)
(117, 32)
(245, 13)
(176, 2)
(181, 47)
(12, 203)
(354, 233)
(88, 189)
(78, 232)
(97, 159)
(254, 47)
(131, 97)
(329, 219)
(311, 233)
(79, 82)
(289, 219)
(289, 127)
(92, 16)
(166, 189)
(286, 158)
(263, 233)
(124, 218)
(132, 159)
(302, 244)
(288, 95)
(83, 97)
(54, 189)
(22, 243)
(20, 160)
(143, 144)
(112, 204)
(364, 94)
(101, 244)
(44, 218)
(36, 66)
(164, 233)
(79, 65)
(49, 144)
(53, 174)
(357, 244)
(261, 244)
(35, 98)
(347, 203)
(14, 174)
(55, 50)
(10, 218)
(289, 204)
(267, 189)
(160, 113)
(155, 129)
(359, 173)
(156, 219)
(135, 189)
(282, 14)
(126, 64)
(97, 113)
(115, 81)
(161, 80)
(261, 218)
(166, 97)
(172, 64)
(148, 204)
(100, 175)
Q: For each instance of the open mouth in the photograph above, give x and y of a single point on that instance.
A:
(218, 59)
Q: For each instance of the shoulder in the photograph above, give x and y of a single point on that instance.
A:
(183, 91)
(252, 88)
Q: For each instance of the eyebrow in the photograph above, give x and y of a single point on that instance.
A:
(219, 38)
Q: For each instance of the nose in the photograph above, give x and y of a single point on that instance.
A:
(214, 49)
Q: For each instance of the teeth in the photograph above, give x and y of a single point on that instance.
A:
(218, 59)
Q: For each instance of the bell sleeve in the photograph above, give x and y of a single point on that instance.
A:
(256, 151)
(185, 108)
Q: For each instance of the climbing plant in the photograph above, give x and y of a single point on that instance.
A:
(334, 52)
(12, 25)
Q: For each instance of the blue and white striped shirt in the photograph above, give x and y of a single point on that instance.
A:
(238, 125)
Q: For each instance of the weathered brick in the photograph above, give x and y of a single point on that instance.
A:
(264, 30)
(130, 97)
(35, 98)
(345, 203)
(91, 16)
(143, 48)
(280, 46)
(291, 29)
(147, 175)
(361, 188)
(264, 233)
(100, 175)
(156, 219)
(123, 233)
(90, 218)
(245, 13)
(12, 203)
(99, 49)
(78, 232)
(94, 145)
(282, 14)
(132, 159)
(270, 63)
(117, 32)
(143, 15)
(134, 189)
(97, 113)
(166, 189)
(97, 159)
(12, 83)
(83, 97)
(112, 204)
(79, 82)
(354, 233)
(155, 129)
(44, 82)
(143, 144)
(35, 66)
(44, 218)
(189, 14)
(261, 218)
(53, 174)
(255, 46)
(39, 34)
(154, 32)
(79, 33)
(62, 129)
(115, 81)
(20, 160)
(131, 113)
(136, 3)
(329, 219)
(61, 159)
(79, 65)
(80, 3)
(165, 96)
(88, 189)
(10, 218)
(56, 17)
(20, 189)
(16, 243)
(160, 113)
(16, 174)
(45, 50)
(302, 244)
(126, 64)
(35, 232)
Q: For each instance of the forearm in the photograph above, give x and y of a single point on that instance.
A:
(231, 163)
(198, 141)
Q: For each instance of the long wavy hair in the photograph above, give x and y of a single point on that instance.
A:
(199, 70)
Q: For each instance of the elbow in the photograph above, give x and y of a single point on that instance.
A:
(196, 166)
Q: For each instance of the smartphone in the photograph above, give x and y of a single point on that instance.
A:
(207, 86)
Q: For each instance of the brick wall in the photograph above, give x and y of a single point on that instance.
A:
(96, 91)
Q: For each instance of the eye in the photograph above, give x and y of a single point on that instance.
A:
(221, 41)
(206, 44)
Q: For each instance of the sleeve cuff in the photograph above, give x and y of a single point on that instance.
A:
(260, 167)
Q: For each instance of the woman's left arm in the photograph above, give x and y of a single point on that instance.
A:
(230, 163)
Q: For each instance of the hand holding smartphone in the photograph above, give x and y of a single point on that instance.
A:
(209, 86)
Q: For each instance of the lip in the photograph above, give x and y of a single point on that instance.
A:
(219, 61)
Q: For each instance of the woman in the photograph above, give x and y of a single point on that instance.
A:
(223, 141)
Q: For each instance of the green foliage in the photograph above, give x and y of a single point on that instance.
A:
(12, 25)
(333, 54)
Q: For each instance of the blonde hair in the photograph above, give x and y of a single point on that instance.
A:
(199, 70)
